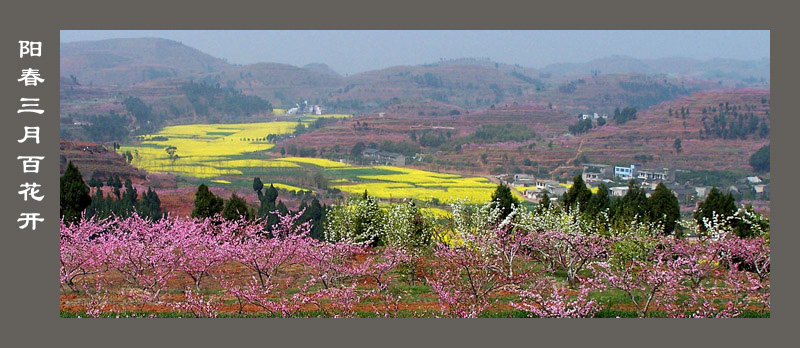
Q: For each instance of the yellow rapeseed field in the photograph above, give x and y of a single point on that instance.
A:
(319, 162)
(207, 150)
(220, 150)
(422, 185)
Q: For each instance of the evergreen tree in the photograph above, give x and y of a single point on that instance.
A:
(282, 208)
(206, 203)
(268, 205)
(665, 208)
(131, 195)
(599, 201)
(236, 208)
(544, 202)
(760, 160)
(73, 194)
(117, 184)
(271, 194)
(257, 185)
(503, 198)
(150, 205)
(715, 203)
(633, 205)
(315, 213)
(577, 195)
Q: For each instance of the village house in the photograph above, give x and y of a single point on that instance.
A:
(618, 191)
(523, 180)
(650, 174)
(543, 184)
(596, 172)
(376, 156)
(625, 173)
(594, 116)
(702, 191)
(557, 191)
(685, 195)
(752, 180)
(636, 172)
(532, 194)
(761, 190)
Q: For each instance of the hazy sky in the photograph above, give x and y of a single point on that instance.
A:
(349, 52)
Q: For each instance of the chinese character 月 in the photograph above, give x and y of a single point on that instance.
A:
(31, 190)
(31, 48)
(29, 218)
(30, 133)
(31, 77)
(30, 164)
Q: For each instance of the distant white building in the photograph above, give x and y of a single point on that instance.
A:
(753, 180)
(618, 191)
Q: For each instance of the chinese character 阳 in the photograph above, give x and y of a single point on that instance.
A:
(31, 48)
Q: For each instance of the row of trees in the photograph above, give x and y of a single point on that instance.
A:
(75, 198)
(208, 205)
(204, 97)
(735, 126)
(625, 115)
(470, 258)
(662, 208)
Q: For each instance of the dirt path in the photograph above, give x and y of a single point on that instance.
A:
(577, 154)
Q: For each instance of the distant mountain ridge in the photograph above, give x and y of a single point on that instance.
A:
(129, 61)
(321, 68)
(675, 66)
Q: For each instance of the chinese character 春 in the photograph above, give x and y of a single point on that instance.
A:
(30, 164)
(31, 48)
(30, 133)
(24, 106)
(28, 218)
(30, 190)
(31, 77)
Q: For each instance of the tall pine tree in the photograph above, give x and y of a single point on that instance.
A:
(74, 194)
(206, 203)
(503, 198)
(664, 208)
(236, 208)
(715, 203)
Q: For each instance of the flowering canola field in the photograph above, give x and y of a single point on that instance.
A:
(224, 151)
(207, 150)
(399, 182)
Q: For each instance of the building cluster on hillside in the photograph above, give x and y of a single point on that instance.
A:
(594, 116)
(646, 178)
(379, 157)
(305, 110)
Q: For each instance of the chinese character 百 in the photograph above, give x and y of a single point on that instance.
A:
(30, 190)
(31, 48)
(31, 77)
(28, 218)
(30, 164)
(24, 106)
(30, 133)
